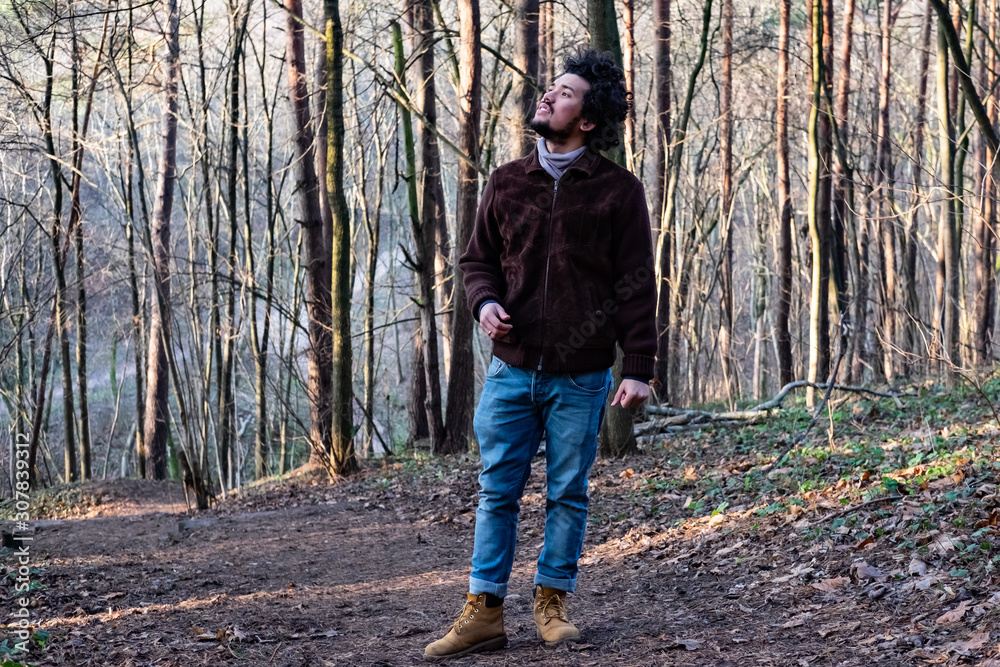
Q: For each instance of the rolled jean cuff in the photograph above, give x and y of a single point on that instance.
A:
(477, 586)
(568, 585)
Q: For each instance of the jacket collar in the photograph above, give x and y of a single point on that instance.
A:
(585, 163)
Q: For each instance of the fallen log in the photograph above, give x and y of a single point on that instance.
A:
(768, 406)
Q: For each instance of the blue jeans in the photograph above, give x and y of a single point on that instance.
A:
(515, 408)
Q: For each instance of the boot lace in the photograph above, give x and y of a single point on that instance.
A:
(469, 611)
(552, 606)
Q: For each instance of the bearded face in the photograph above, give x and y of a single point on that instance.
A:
(558, 116)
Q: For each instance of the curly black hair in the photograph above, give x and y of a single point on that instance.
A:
(607, 102)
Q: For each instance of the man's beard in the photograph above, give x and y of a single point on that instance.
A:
(545, 130)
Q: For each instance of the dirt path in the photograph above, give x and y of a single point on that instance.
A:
(370, 571)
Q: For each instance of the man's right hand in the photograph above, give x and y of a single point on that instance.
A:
(493, 320)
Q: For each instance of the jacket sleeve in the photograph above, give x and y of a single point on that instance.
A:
(481, 270)
(634, 314)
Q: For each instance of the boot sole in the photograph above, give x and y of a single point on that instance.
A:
(557, 642)
(494, 644)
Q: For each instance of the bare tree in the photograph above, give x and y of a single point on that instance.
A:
(727, 315)
(316, 243)
(460, 380)
(342, 459)
(525, 84)
(421, 261)
(784, 305)
(985, 249)
(886, 216)
(157, 410)
(818, 208)
(665, 239)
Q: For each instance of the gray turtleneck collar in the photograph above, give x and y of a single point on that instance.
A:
(556, 164)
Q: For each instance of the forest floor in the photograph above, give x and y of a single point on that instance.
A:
(876, 542)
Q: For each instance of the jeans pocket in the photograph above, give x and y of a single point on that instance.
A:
(496, 369)
(593, 382)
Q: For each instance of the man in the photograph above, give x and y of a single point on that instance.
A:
(557, 271)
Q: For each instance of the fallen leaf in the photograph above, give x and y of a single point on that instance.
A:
(830, 585)
(943, 483)
(942, 544)
(955, 614)
(797, 621)
(865, 571)
(864, 543)
(830, 628)
(990, 521)
(917, 567)
(970, 645)
(689, 644)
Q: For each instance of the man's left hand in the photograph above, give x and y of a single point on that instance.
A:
(631, 393)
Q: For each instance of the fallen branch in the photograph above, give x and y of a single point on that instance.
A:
(767, 406)
(648, 432)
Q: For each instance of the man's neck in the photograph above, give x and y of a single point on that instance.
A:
(571, 144)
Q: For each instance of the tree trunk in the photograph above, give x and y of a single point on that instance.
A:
(157, 381)
(342, 457)
(911, 328)
(986, 222)
(678, 294)
(525, 88)
(416, 397)
(461, 389)
(214, 340)
(760, 306)
(961, 152)
(602, 25)
(227, 331)
(886, 216)
(785, 239)
(59, 269)
(261, 339)
(844, 224)
(286, 404)
(818, 210)
(546, 42)
(726, 300)
(423, 262)
(134, 165)
(617, 437)
(665, 238)
(316, 242)
(947, 275)
(628, 57)
(433, 209)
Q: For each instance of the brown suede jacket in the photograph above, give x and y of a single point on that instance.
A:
(571, 263)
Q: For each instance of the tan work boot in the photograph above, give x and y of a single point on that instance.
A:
(478, 628)
(551, 622)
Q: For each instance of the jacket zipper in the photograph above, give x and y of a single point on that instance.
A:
(545, 284)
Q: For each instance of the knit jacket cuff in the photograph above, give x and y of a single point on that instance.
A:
(478, 298)
(638, 366)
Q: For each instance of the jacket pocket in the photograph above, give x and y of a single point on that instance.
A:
(603, 330)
